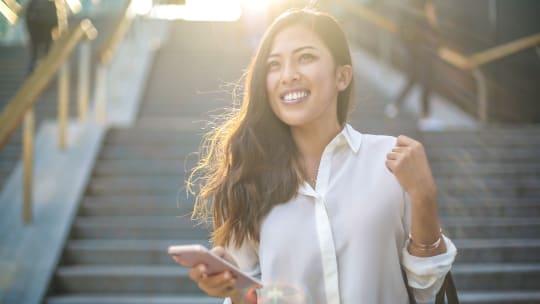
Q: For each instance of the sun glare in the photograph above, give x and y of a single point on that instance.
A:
(200, 10)
(256, 5)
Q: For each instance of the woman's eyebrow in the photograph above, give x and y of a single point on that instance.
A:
(299, 49)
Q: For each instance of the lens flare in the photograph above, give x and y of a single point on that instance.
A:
(282, 293)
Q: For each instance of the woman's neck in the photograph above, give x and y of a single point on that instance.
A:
(311, 140)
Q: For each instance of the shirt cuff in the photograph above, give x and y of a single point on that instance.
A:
(425, 272)
(227, 301)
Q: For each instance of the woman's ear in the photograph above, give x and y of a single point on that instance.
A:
(344, 76)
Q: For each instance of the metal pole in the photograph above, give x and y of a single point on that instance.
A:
(28, 165)
(481, 95)
(63, 77)
(100, 94)
(63, 105)
(84, 79)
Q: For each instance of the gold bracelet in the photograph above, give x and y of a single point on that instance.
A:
(426, 247)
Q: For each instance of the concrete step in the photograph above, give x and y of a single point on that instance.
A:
(507, 209)
(176, 226)
(128, 208)
(136, 185)
(136, 167)
(494, 186)
(135, 136)
(497, 276)
(135, 279)
(490, 137)
(196, 106)
(495, 227)
(498, 250)
(122, 252)
(484, 154)
(499, 297)
(132, 299)
(451, 168)
(148, 152)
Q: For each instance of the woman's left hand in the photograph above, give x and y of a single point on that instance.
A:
(409, 163)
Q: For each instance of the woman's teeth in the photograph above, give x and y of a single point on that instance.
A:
(295, 96)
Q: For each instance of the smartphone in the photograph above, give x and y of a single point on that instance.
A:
(192, 255)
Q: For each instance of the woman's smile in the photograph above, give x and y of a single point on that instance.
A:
(294, 96)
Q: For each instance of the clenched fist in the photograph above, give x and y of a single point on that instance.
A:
(409, 163)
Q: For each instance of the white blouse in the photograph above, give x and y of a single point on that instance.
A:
(346, 240)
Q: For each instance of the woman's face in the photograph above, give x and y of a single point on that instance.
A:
(303, 81)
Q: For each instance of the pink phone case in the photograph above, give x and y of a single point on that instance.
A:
(192, 255)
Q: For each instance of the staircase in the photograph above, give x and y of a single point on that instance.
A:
(135, 205)
(489, 198)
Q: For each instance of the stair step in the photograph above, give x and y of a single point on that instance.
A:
(484, 153)
(136, 185)
(135, 279)
(144, 228)
(508, 209)
(489, 183)
(496, 227)
(503, 276)
(148, 152)
(498, 250)
(450, 168)
(499, 297)
(171, 123)
(139, 167)
(491, 137)
(139, 137)
(132, 299)
(122, 252)
(128, 208)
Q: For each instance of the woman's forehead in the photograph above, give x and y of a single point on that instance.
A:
(293, 38)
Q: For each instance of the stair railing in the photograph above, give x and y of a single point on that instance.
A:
(10, 11)
(20, 108)
(471, 63)
(106, 54)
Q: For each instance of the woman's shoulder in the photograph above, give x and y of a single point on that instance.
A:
(376, 141)
(370, 142)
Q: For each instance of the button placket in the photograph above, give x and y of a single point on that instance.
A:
(324, 231)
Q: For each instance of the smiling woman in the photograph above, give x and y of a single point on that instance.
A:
(302, 201)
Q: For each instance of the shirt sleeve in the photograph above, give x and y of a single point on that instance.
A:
(247, 258)
(425, 274)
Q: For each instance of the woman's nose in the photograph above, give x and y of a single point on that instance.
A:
(289, 73)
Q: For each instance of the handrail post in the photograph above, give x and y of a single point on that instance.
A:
(28, 165)
(63, 104)
(84, 79)
(63, 78)
(101, 92)
(481, 95)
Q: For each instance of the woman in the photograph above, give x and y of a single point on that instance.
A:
(300, 198)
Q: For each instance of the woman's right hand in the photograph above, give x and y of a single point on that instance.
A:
(219, 285)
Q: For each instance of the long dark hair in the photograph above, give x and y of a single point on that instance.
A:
(249, 162)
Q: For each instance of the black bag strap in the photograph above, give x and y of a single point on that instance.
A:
(448, 289)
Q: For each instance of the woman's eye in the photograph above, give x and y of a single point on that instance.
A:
(272, 65)
(306, 57)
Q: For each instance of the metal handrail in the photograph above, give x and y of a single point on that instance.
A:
(21, 105)
(26, 96)
(470, 63)
(106, 54)
(487, 56)
(109, 48)
(10, 13)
